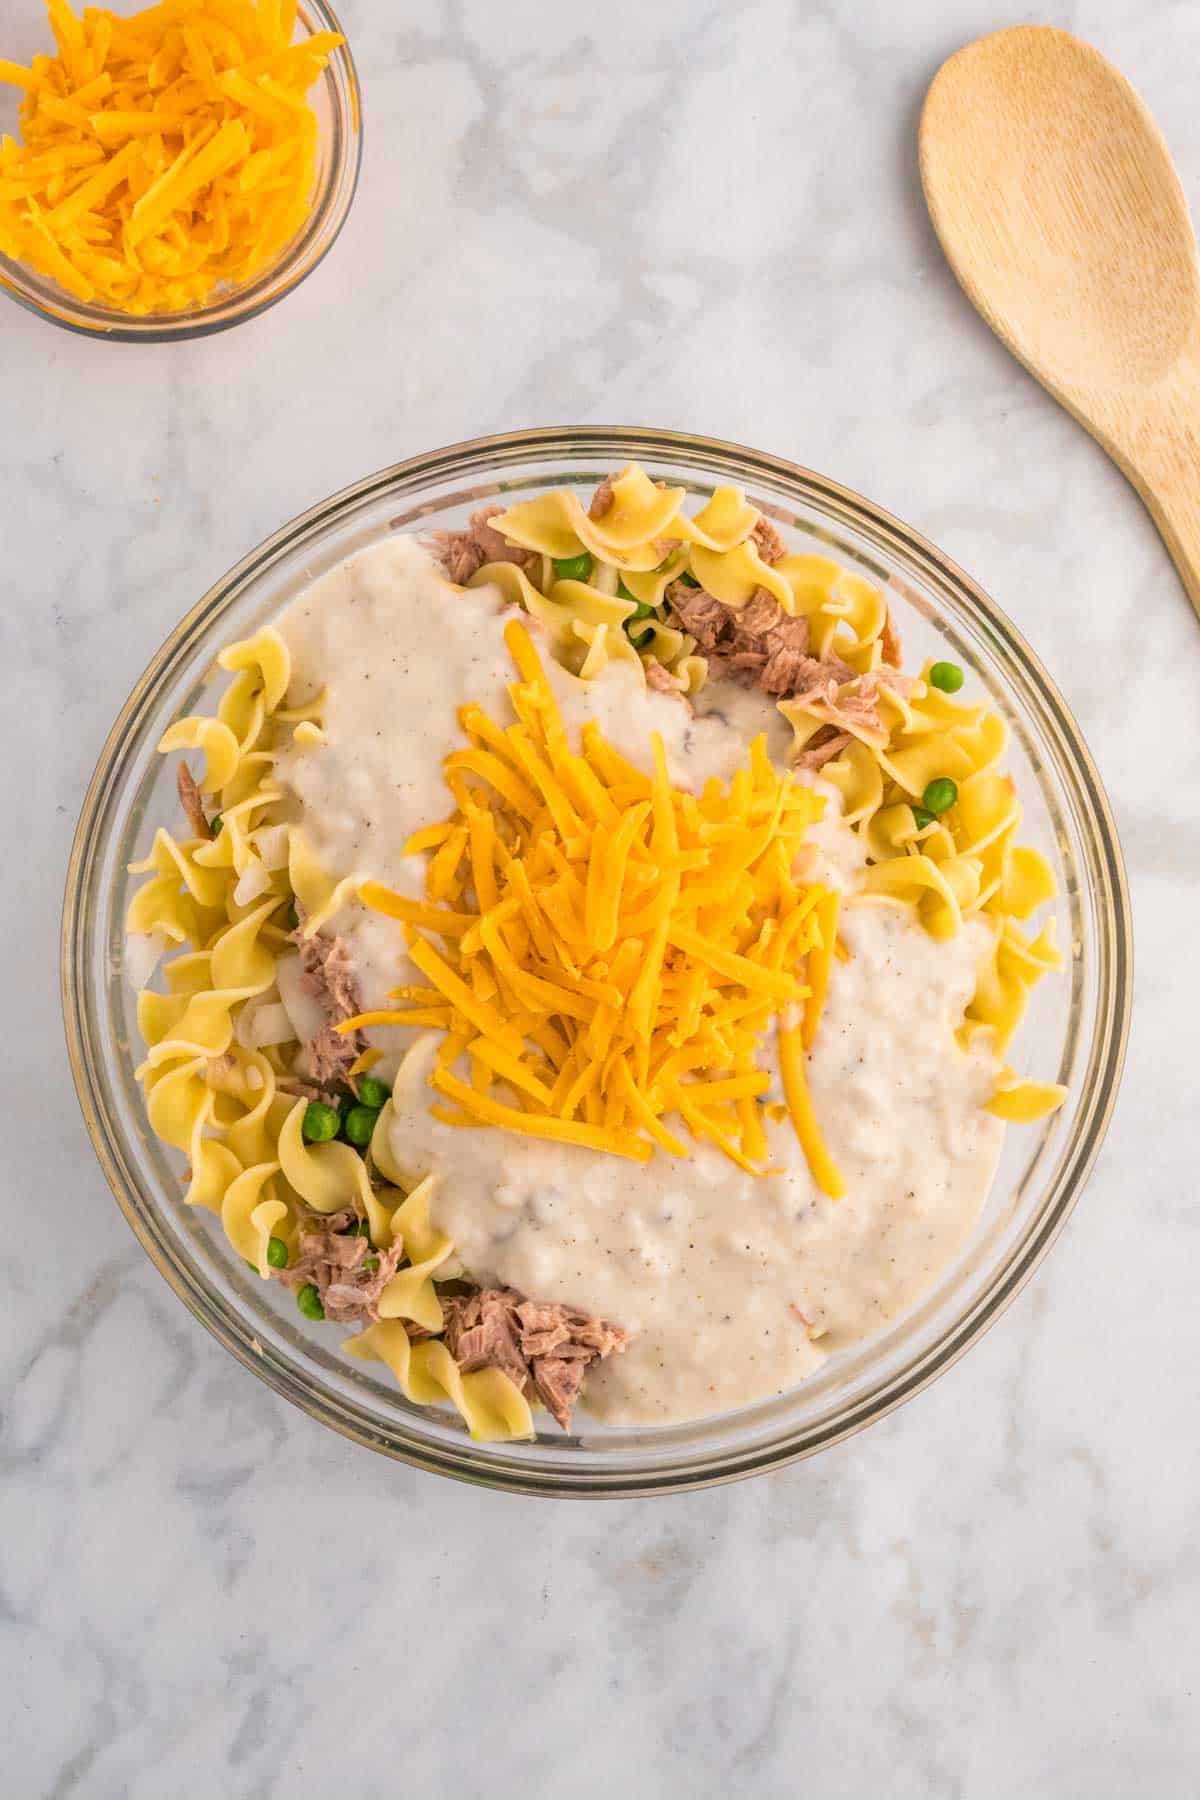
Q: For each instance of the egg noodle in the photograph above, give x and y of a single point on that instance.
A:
(610, 951)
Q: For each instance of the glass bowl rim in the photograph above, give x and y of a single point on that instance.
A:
(43, 297)
(1038, 693)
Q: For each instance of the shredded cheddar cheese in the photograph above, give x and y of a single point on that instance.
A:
(612, 950)
(164, 154)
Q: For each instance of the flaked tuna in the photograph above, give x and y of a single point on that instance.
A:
(536, 1343)
(767, 540)
(327, 973)
(341, 1265)
(189, 799)
(661, 681)
(762, 646)
(463, 553)
(602, 499)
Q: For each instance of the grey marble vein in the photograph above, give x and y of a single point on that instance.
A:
(696, 216)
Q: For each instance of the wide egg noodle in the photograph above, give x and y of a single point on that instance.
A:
(214, 1167)
(851, 617)
(857, 777)
(1015, 964)
(215, 981)
(219, 744)
(410, 1294)
(491, 1406)
(735, 576)
(606, 644)
(250, 1213)
(1022, 1102)
(629, 535)
(649, 588)
(266, 660)
(722, 524)
(248, 1108)
(584, 624)
(315, 892)
(329, 1177)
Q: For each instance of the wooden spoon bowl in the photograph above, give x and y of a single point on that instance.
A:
(1060, 211)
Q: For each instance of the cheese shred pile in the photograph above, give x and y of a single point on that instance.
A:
(164, 154)
(610, 951)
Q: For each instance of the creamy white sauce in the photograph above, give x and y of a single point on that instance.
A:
(735, 1287)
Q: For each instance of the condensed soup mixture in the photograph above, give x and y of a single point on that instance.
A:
(591, 959)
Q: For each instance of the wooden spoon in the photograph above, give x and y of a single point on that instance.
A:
(1060, 211)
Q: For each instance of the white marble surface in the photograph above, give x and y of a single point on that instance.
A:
(688, 215)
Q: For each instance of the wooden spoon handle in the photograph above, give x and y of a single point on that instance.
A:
(1156, 443)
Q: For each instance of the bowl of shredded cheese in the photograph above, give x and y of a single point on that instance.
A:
(173, 171)
(310, 722)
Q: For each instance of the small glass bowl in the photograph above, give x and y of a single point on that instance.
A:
(1075, 1031)
(337, 102)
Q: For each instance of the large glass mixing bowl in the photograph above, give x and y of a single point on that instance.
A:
(1075, 1031)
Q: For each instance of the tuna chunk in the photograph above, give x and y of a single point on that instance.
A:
(328, 975)
(463, 553)
(661, 681)
(698, 613)
(762, 613)
(558, 1383)
(762, 646)
(536, 1343)
(823, 749)
(482, 1332)
(767, 541)
(542, 1326)
(589, 1334)
(346, 1272)
(189, 799)
(330, 1055)
(305, 1090)
(893, 651)
(602, 499)
(788, 663)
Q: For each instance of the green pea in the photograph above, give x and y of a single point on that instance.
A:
(320, 1123)
(358, 1125)
(369, 1264)
(293, 917)
(373, 1092)
(940, 796)
(215, 824)
(947, 676)
(623, 593)
(572, 568)
(277, 1253)
(688, 579)
(309, 1301)
(922, 817)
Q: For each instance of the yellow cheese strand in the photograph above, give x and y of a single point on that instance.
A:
(795, 1085)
